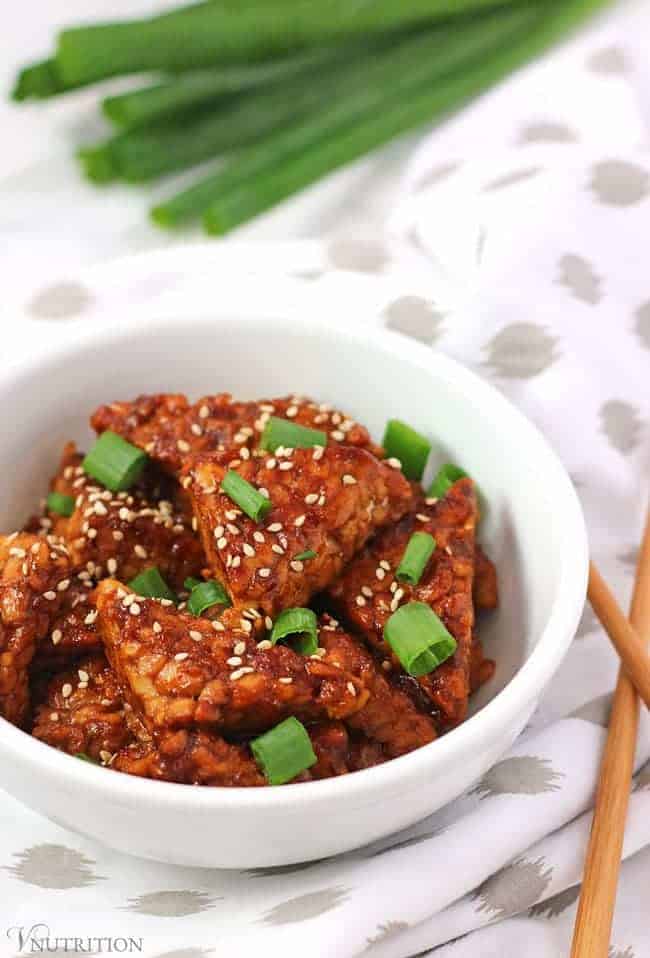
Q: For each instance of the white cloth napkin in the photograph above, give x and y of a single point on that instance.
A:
(525, 225)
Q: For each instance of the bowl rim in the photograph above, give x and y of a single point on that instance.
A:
(492, 719)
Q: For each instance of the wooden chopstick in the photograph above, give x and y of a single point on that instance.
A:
(625, 639)
(593, 925)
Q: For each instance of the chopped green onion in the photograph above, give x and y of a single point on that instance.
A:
(284, 751)
(446, 477)
(302, 625)
(410, 447)
(247, 497)
(418, 638)
(205, 595)
(419, 550)
(307, 554)
(86, 758)
(191, 583)
(151, 585)
(62, 505)
(282, 432)
(114, 462)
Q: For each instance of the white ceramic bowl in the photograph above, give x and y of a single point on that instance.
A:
(533, 529)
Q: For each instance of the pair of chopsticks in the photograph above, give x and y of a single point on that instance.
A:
(593, 924)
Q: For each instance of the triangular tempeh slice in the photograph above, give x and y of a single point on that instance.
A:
(178, 669)
(368, 592)
(168, 427)
(325, 505)
(34, 576)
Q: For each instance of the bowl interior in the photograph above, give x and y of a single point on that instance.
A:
(372, 376)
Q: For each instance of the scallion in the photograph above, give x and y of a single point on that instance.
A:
(247, 497)
(418, 638)
(307, 554)
(301, 625)
(205, 595)
(410, 447)
(151, 585)
(284, 751)
(60, 504)
(447, 475)
(291, 435)
(114, 462)
(418, 551)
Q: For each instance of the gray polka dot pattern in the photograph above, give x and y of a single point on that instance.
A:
(621, 424)
(520, 775)
(304, 907)
(436, 175)
(643, 324)
(62, 301)
(547, 133)
(619, 183)
(557, 904)
(171, 904)
(405, 843)
(510, 179)
(386, 930)
(54, 866)
(362, 256)
(595, 711)
(521, 351)
(629, 558)
(280, 870)
(622, 952)
(642, 778)
(580, 278)
(608, 61)
(414, 317)
(513, 888)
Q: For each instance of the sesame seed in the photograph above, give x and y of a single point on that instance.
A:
(140, 551)
(318, 453)
(83, 675)
(274, 527)
(186, 482)
(181, 656)
(394, 604)
(196, 636)
(50, 596)
(348, 480)
(267, 407)
(183, 446)
(105, 756)
(380, 573)
(218, 532)
(57, 635)
(238, 673)
(63, 585)
(299, 521)
(91, 618)
(277, 549)
(268, 622)
(399, 594)
(134, 608)
(448, 550)
(111, 565)
(263, 492)
(351, 688)
(218, 626)
(233, 529)
(246, 625)
(285, 466)
(259, 536)
(285, 680)
(421, 516)
(271, 463)
(19, 553)
(240, 648)
(244, 453)
(360, 600)
(393, 586)
(235, 562)
(386, 666)
(196, 429)
(234, 660)
(394, 463)
(431, 501)
(367, 591)
(118, 535)
(248, 550)
(100, 509)
(232, 514)
(311, 499)
(204, 412)
(222, 542)
(166, 602)
(157, 627)
(128, 599)
(385, 565)
(66, 691)
(291, 412)
(297, 565)
(54, 716)
(264, 573)
(338, 435)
